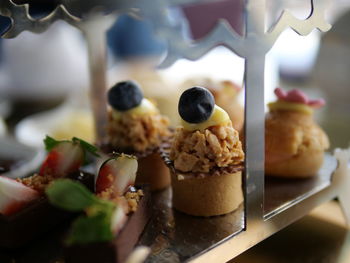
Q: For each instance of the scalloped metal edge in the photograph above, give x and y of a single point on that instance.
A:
(22, 21)
(223, 34)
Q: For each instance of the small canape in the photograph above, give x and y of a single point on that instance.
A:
(294, 142)
(205, 158)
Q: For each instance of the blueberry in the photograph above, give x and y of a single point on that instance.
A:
(125, 95)
(196, 105)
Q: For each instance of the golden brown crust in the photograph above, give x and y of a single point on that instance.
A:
(200, 151)
(137, 132)
(303, 165)
(290, 135)
(208, 196)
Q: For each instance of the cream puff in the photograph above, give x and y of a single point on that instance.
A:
(294, 142)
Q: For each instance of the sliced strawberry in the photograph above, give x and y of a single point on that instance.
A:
(14, 195)
(65, 158)
(118, 173)
(118, 219)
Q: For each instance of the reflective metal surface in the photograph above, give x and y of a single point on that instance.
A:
(176, 237)
(282, 193)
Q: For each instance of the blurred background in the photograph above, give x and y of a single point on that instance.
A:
(44, 78)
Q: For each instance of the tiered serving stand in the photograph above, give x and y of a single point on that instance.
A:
(270, 204)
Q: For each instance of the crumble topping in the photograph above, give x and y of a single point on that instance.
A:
(132, 199)
(37, 182)
(200, 151)
(137, 132)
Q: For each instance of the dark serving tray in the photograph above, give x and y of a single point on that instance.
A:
(176, 237)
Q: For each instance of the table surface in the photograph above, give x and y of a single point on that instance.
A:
(319, 237)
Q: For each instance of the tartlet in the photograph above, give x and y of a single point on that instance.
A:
(205, 158)
(294, 142)
(136, 127)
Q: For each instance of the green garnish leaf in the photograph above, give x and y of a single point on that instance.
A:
(91, 229)
(86, 146)
(70, 195)
(50, 143)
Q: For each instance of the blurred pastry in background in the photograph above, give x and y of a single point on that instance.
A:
(48, 66)
(137, 52)
(78, 123)
(155, 87)
(63, 123)
(294, 142)
(226, 96)
(130, 38)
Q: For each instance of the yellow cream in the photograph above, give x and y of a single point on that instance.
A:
(78, 123)
(290, 106)
(218, 117)
(145, 107)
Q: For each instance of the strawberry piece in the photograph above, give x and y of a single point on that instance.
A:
(63, 159)
(117, 173)
(14, 195)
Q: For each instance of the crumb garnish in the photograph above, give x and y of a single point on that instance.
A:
(131, 198)
(206, 151)
(37, 182)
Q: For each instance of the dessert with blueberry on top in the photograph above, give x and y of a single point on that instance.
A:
(294, 142)
(226, 95)
(23, 203)
(114, 215)
(136, 127)
(205, 158)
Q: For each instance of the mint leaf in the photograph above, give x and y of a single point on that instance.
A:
(91, 229)
(86, 146)
(50, 143)
(70, 195)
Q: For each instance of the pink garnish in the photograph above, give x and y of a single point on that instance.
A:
(298, 96)
(317, 103)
